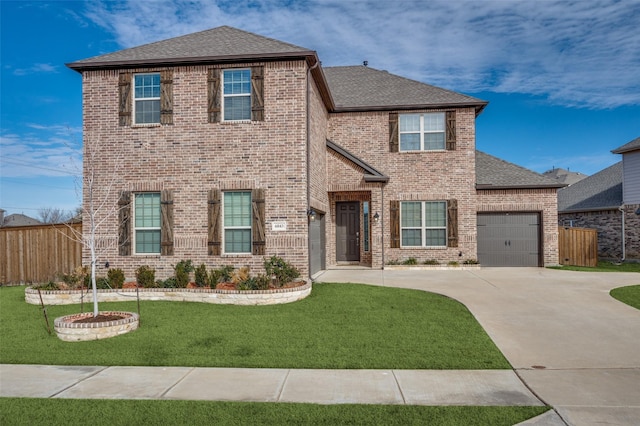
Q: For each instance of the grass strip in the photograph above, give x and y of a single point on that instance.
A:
(629, 295)
(602, 267)
(341, 326)
(26, 411)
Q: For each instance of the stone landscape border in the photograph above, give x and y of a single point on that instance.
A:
(71, 331)
(461, 267)
(202, 295)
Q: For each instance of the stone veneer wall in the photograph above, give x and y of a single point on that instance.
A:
(609, 226)
(544, 201)
(192, 156)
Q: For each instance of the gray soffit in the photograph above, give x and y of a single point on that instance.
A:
(221, 44)
(371, 174)
(631, 146)
(494, 173)
(601, 191)
(360, 88)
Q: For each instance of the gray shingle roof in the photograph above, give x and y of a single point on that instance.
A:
(602, 191)
(494, 173)
(631, 146)
(221, 43)
(564, 176)
(364, 88)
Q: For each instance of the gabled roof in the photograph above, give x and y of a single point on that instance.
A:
(360, 88)
(221, 44)
(601, 191)
(564, 176)
(18, 219)
(631, 146)
(371, 174)
(494, 173)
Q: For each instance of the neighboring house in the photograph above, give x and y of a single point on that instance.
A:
(608, 201)
(230, 147)
(17, 219)
(564, 176)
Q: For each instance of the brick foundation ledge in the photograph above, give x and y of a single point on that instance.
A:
(202, 295)
(71, 331)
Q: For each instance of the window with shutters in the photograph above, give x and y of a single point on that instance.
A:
(237, 221)
(146, 98)
(236, 99)
(422, 132)
(423, 223)
(147, 223)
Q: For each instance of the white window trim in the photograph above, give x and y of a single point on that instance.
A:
(136, 229)
(224, 227)
(422, 132)
(236, 95)
(134, 99)
(423, 228)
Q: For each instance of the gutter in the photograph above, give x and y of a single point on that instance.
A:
(309, 70)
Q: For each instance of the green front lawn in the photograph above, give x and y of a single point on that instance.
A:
(14, 411)
(338, 326)
(602, 267)
(629, 295)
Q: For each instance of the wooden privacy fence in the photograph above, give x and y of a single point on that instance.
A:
(35, 254)
(578, 246)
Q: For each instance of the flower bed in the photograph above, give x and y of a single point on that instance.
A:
(203, 295)
(74, 328)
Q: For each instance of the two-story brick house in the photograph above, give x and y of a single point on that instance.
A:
(224, 147)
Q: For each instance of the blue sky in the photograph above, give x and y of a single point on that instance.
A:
(562, 77)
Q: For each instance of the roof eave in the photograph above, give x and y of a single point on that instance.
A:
(140, 63)
(371, 175)
(479, 106)
(590, 209)
(544, 186)
(624, 151)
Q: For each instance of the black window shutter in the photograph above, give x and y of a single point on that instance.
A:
(166, 97)
(213, 225)
(258, 226)
(257, 93)
(166, 222)
(394, 218)
(124, 221)
(393, 132)
(450, 118)
(124, 103)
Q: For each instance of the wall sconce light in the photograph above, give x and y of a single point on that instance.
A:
(106, 265)
(376, 217)
(312, 214)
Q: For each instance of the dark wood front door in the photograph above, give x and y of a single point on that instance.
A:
(348, 232)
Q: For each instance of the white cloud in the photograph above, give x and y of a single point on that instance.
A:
(36, 69)
(575, 53)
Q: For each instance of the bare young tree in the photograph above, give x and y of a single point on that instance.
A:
(53, 215)
(98, 188)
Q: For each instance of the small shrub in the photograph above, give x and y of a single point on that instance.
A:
(259, 282)
(146, 276)
(240, 276)
(410, 261)
(453, 263)
(431, 262)
(115, 277)
(168, 283)
(48, 286)
(470, 262)
(220, 275)
(76, 278)
(102, 283)
(182, 270)
(280, 271)
(201, 275)
(393, 262)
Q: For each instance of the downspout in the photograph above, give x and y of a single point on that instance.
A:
(308, 168)
(382, 209)
(624, 242)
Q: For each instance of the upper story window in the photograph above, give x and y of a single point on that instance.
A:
(236, 99)
(146, 98)
(422, 132)
(147, 223)
(423, 223)
(237, 221)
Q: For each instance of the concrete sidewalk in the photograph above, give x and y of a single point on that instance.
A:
(411, 387)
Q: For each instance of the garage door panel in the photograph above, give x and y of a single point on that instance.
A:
(509, 239)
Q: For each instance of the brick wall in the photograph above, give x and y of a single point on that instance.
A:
(193, 156)
(609, 226)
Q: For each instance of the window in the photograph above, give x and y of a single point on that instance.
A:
(237, 222)
(422, 132)
(147, 223)
(146, 98)
(236, 98)
(423, 223)
(365, 225)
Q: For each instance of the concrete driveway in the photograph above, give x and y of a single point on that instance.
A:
(572, 344)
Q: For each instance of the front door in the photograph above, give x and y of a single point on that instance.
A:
(348, 232)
